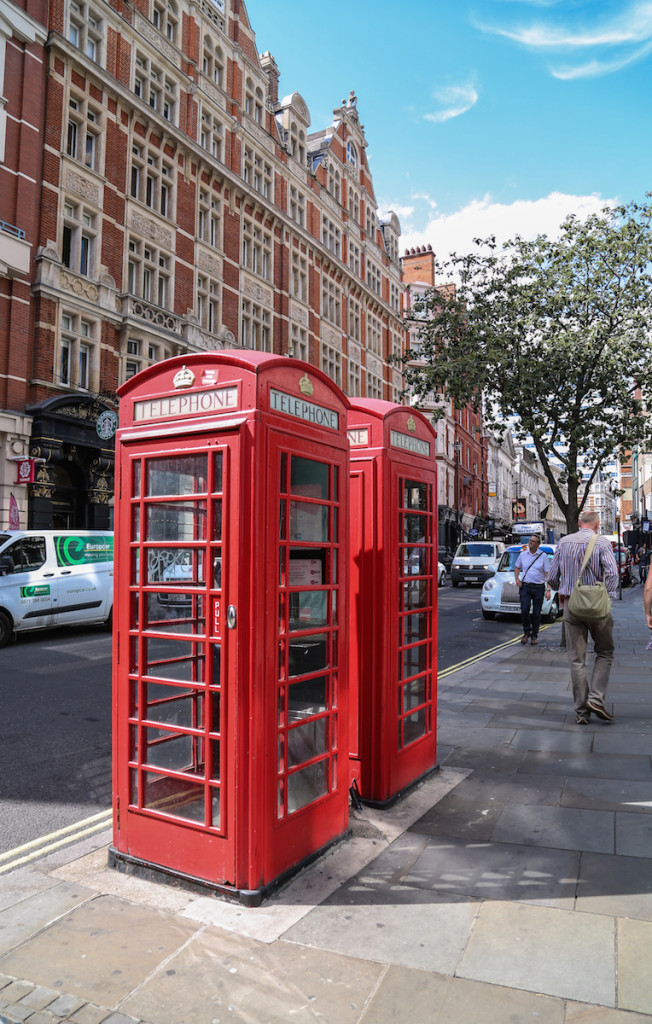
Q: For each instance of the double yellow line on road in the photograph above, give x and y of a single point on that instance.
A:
(54, 841)
(480, 657)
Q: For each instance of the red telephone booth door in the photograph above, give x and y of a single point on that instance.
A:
(416, 523)
(175, 739)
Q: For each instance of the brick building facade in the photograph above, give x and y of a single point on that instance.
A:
(176, 204)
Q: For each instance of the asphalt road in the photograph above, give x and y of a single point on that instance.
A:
(55, 732)
(463, 632)
(55, 715)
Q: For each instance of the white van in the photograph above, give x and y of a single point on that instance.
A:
(54, 578)
(475, 561)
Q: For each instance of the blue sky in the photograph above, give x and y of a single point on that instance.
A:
(482, 116)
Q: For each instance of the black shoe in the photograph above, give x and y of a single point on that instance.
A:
(582, 717)
(599, 710)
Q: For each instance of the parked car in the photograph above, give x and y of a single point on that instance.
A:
(475, 561)
(500, 595)
(441, 574)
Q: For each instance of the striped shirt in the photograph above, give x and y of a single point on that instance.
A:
(567, 562)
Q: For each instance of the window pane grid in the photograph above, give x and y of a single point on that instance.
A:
(176, 710)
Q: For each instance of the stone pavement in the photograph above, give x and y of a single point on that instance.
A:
(515, 885)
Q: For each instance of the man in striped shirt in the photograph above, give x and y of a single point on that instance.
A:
(564, 571)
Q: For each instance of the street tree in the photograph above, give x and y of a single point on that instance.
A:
(551, 335)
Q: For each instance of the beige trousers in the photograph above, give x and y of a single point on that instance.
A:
(577, 631)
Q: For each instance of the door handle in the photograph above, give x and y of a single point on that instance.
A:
(66, 572)
(231, 617)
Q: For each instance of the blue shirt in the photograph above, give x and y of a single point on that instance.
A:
(538, 563)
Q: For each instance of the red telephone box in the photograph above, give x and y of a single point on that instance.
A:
(393, 611)
(230, 679)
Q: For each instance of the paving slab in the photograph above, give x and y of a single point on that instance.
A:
(634, 975)
(391, 925)
(493, 758)
(221, 976)
(505, 788)
(562, 828)
(580, 1013)
(465, 819)
(100, 951)
(634, 835)
(608, 766)
(436, 999)
(556, 952)
(497, 871)
(616, 885)
(608, 795)
(547, 739)
(29, 916)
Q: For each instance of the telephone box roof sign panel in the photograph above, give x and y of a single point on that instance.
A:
(210, 386)
(373, 423)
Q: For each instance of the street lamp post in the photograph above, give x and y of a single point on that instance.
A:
(457, 448)
(620, 575)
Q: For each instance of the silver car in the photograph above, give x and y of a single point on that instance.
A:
(500, 595)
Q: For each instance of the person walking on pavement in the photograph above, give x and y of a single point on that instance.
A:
(643, 564)
(564, 572)
(647, 600)
(533, 586)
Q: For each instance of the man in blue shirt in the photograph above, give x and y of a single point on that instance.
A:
(531, 576)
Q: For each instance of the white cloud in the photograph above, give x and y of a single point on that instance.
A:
(453, 100)
(617, 40)
(454, 232)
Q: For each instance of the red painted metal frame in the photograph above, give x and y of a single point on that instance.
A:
(231, 405)
(388, 444)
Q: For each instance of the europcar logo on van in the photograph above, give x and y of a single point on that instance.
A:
(41, 590)
(82, 550)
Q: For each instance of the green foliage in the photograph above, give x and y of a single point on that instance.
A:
(555, 333)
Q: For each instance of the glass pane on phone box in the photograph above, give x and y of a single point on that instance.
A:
(414, 528)
(308, 522)
(309, 478)
(306, 741)
(308, 608)
(135, 519)
(172, 612)
(415, 627)
(179, 520)
(415, 659)
(136, 479)
(168, 750)
(185, 474)
(219, 462)
(306, 785)
(414, 694)
(415, 495)
(175, 566)
(416, 561)
(217, 520)
(307, 698)
(173, 705)
(415, 726)
(179, 798)
(307, 654)
(415, 594)
(217, 569)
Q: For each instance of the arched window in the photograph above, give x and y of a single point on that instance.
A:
(352, 155)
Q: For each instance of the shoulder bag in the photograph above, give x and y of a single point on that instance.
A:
(589, 601)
